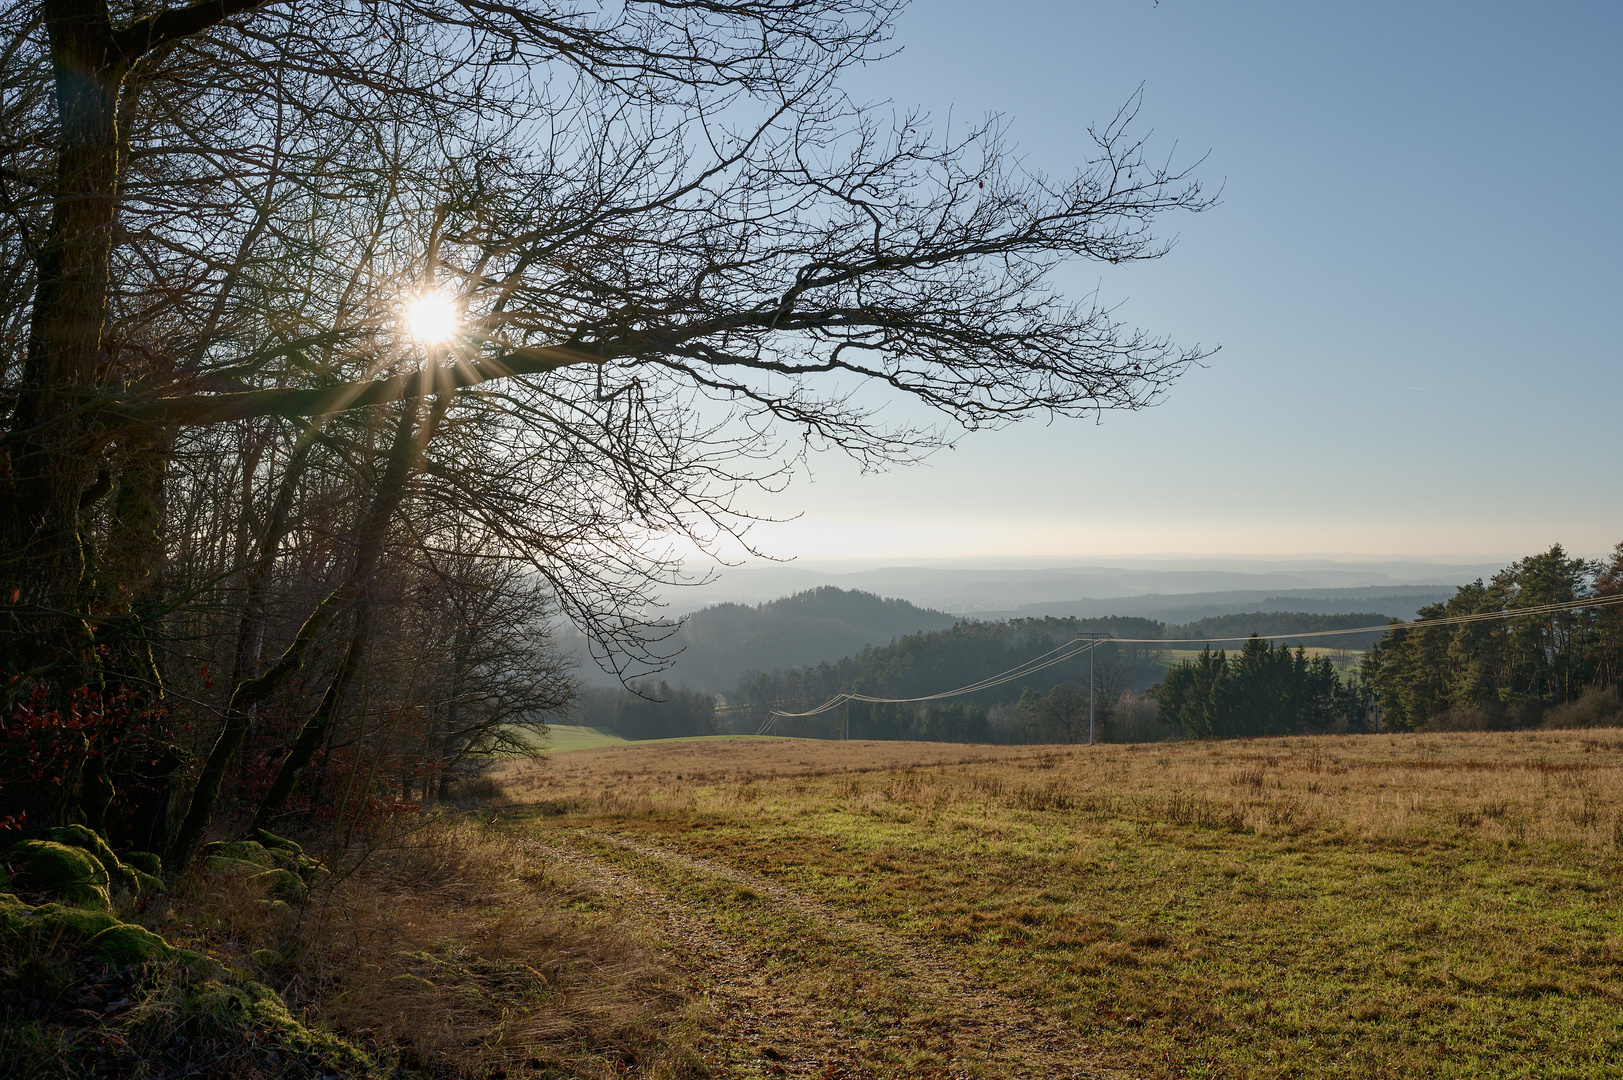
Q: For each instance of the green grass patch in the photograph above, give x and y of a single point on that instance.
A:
(563, 737)
(1415, 906)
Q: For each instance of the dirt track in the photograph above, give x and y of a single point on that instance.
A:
(773, 1025)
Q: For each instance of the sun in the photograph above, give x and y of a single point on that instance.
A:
(432, 317)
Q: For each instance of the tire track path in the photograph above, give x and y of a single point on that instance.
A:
(881, 1004)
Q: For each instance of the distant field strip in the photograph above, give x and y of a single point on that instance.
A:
(575, 737)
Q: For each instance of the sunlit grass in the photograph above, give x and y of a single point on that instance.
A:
(574, 737)
(1338, 906)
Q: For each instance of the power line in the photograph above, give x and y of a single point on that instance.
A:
(1046, 660)
(1067, 652)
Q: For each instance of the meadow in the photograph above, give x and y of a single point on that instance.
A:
(1385, 905)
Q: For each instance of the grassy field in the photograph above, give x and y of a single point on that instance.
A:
(574, 737)
(567, 737)
(1417, 905)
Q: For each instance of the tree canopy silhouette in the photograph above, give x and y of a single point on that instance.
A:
(675, 245)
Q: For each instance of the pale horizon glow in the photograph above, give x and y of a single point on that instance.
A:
(873, 542)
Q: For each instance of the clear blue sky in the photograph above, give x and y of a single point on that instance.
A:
(1414, 276)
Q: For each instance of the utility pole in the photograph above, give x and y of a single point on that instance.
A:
(1092, 686)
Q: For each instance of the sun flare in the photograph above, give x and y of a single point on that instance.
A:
(432, 318)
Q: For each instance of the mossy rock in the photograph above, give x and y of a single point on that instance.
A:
(201, 965)
(221, 864)
(9, 904)
(146, 862)
(48, 922)
(119, 873)
(248, 851)
(291, 856)
(278, 909)
(235, 1006)
(271, 840)
(75, 927)
(75, 924)
(214, 1006)
(270, 852)
(309, 871)
(265, 957)
(276, 881)
(71, 873)
(127, 943)
(84, 838)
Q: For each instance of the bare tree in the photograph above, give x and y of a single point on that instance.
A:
(675, 246)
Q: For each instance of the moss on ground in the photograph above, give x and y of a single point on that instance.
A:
(72, 873)
(281, 864)
(146, 862)
(119, 873)
(82, 992)
(85, 992)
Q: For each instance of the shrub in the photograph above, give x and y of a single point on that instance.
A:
(1598, 707)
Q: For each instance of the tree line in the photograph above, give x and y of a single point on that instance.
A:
(1510, 670)
(1286, 625)
(1049, 706)
(653, 709)
(1261, 690)
(1558, 667)
(1496, 670)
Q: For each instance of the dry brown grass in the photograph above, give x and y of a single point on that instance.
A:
(455, 953)
(1343, 906)
(1561, 786)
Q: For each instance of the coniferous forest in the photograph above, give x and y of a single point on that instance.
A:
(1560, 668)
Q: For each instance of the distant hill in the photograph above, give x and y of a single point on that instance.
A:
(1392, 601)
(999, 591)
(725, 641)
(936, 661)
(722, 642)
(931, 662)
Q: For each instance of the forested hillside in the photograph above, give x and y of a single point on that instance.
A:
(1482, 667)
(1491, 674)
(1561, 667)
(718, 644)
(929, 663)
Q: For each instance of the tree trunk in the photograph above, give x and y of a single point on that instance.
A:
(130, 590)
(459, 668)
(51, 450)
(234, 727)
(405, 453)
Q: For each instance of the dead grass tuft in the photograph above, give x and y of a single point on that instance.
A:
(456, 953)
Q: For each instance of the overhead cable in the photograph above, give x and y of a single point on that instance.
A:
(1067, 652)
